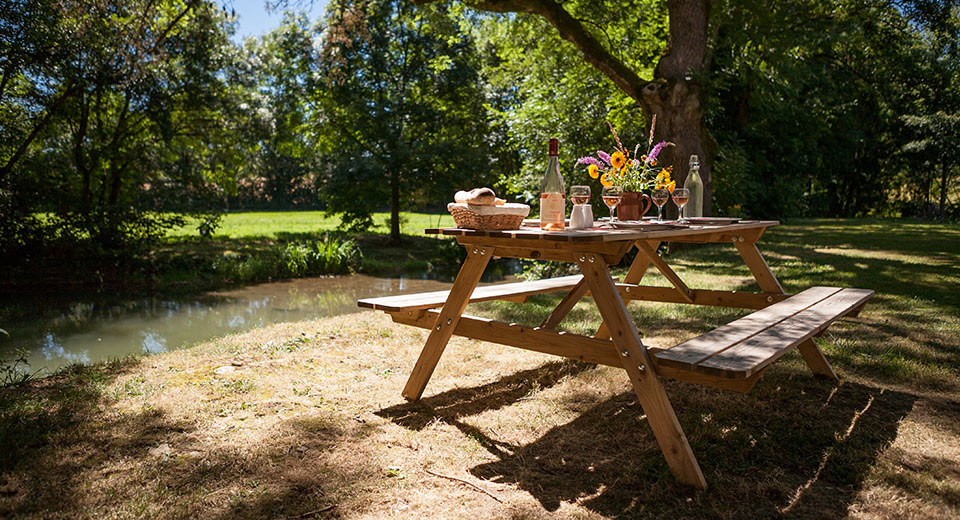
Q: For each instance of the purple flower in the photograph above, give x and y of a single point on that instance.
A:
(589, 160)
(603, 155)
(656, 151)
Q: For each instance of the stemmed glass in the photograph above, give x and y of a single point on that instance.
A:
(680, 198)
(580, 195)
(660, 198)
(611, 196)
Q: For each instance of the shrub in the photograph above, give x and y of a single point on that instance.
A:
(330, 255)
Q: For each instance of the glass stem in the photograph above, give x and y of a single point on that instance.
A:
(613, 214)
(660, 213)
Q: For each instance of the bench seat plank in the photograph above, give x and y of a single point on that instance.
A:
(430, 300)
(692, 352)
(755, 353)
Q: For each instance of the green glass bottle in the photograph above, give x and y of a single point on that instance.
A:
(694, 207)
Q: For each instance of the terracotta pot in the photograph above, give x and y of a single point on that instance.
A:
(633, 206)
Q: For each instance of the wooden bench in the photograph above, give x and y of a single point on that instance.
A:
(518, 291)
(743, 348)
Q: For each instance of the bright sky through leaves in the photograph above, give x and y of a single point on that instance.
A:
(254, 20)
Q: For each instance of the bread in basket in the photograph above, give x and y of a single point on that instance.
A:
(480, 209)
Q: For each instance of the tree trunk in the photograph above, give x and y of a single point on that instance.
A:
(943, 189)
(395, 205)
(674, 96)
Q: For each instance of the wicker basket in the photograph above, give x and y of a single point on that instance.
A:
(507, 216)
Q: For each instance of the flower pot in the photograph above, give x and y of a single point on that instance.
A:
(633, 206)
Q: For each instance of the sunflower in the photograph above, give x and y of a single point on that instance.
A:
(593, 171)
(617, 160)
(606, 179)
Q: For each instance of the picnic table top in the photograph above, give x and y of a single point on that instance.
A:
(640, 232)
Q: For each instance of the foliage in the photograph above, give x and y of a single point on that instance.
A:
(16, 370)
(808, 98)
(280, 167)
(545, 89)
(403, 121)
(327, 256)
(330, 254)
(117, 118)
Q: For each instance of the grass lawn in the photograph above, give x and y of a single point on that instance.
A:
(281, 224)
(305, 419)
(187, 262)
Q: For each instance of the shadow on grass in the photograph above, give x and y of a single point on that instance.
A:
(449, 406)
(67, 454)
(795, 447)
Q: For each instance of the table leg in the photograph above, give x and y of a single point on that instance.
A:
(653, 399)
(636, 272)
(768, 282)
(463, 286)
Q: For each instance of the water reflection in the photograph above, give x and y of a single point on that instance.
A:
(91, 331)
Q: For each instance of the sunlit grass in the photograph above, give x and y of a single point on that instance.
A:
(276, 224)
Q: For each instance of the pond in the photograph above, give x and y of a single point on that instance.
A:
(101, 328)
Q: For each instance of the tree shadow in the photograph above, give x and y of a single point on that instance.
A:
(38, 416)
(453, 404)
(66, 455)
(795, 447)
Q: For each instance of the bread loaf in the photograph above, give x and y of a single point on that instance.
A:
(476, 197)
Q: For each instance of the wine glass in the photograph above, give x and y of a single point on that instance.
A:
(611, 196)
(660, 198)
(680, 198)
(580, 195)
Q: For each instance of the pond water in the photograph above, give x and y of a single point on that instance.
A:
(102, 328)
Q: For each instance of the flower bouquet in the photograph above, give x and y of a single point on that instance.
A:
(634, 175)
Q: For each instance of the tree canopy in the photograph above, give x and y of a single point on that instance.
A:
(118, 118)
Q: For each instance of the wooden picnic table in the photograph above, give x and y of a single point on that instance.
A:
(733, 356)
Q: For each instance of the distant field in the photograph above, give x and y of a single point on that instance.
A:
(272, 224)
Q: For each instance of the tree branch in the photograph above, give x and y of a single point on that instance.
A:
(68, 92)
(573, 31)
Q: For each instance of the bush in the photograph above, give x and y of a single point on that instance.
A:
(331, 255)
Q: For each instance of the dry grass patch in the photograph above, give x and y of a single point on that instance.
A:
(307, 418)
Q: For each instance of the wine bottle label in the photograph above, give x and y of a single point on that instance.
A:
(551, 207)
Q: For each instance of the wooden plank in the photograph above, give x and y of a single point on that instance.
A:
(429, 300)
(815, 359)
(640, 265)
(685, 234)
(758, 266)
(699, 378)
(638, 268)
(565, 306)
(571, 346)
(808, 348)
(690, 353)
(653, 399)
(463, 286)
(755, 353)
(643, 248)
(733, 299)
